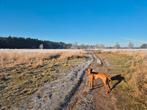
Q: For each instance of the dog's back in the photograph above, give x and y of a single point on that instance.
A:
(101, 75)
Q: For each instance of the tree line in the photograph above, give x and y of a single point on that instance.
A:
(115, 46)
(30, 43)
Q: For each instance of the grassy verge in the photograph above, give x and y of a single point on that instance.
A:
(129, 80)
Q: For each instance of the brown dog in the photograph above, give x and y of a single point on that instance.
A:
(90, 78)
(96, 75)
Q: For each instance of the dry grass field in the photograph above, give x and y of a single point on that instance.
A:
(54, 79)
(23, 72)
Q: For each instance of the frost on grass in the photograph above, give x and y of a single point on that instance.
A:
(55, 95)
(30, 70)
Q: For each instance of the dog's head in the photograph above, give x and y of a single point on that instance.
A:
(89, 71)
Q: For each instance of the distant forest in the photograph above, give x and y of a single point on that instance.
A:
(29, 43)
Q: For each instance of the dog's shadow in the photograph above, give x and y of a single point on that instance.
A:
(118, 78)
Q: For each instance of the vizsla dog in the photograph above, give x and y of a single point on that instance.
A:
(96, 75)
(90, 77)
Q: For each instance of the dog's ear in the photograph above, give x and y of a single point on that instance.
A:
(91, 65)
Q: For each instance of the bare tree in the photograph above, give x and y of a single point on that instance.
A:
(117, 46)
(130, 45)
(74, 45)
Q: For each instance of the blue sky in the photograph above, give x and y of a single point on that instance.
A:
(83, 21)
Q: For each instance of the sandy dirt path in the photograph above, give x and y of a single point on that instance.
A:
(95, 99)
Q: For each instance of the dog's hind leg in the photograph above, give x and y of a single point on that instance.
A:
(109, 88)
(106, 86)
